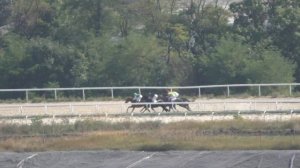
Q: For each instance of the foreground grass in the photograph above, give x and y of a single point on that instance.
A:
(151, 142)
(92, 135)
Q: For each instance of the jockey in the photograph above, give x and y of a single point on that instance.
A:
(137, 97)
(173, 95)
(154, 98)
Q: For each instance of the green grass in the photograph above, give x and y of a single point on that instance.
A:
(152, 136)
(152, 141)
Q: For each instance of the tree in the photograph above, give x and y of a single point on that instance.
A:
(277, 21)
(224, 65)
(250, 18)
(236, 62)
(48, 61)
(285, 29)
(136, 60)
(5, 11)
(32, 18)
(92, 15)
(271, 67)
(207, 24)
(11, 56)
(36, 63)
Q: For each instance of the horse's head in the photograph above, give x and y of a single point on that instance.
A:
(128, 99)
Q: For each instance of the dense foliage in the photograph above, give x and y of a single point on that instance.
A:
(73, 43)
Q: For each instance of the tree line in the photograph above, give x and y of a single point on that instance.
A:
(74, 43)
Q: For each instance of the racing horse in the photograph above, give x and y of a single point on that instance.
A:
(145, 103)
(142, 104)
(182, 102)
(158, 104)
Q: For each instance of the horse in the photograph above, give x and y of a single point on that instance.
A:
(182, 102)
(156, 105)
(136, 104)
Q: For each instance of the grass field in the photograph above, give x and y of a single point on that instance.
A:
(237, 134)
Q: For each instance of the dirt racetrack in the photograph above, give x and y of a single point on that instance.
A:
(115, 111)
(141, 159)
(119, 107)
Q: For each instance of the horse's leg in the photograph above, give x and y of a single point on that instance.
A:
(153, 109)
(169, 108)
(164, 108)
(186, 106)
(174, 107)
(128, 109)
(148, 108)
(132, 109)
(143, 109)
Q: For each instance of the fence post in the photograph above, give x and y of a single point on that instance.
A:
(21, 110)
(140, 91)
(83, 94)
(46, 109)
(112, 93)
(97, 108)
(228, 91)
(71, 108)
(199, 92)
(290, 90)
(26, 95)
(55, 94)
(259, 91)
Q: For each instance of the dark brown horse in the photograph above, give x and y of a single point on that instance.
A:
(182, 102)
(159, 103)
(142, 104)
(146, 103)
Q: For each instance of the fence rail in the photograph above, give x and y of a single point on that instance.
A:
(83, 90)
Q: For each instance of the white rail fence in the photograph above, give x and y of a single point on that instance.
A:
(78, 109)
(198, 89)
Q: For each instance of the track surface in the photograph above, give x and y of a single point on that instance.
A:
(140, 159)
(119, 107)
